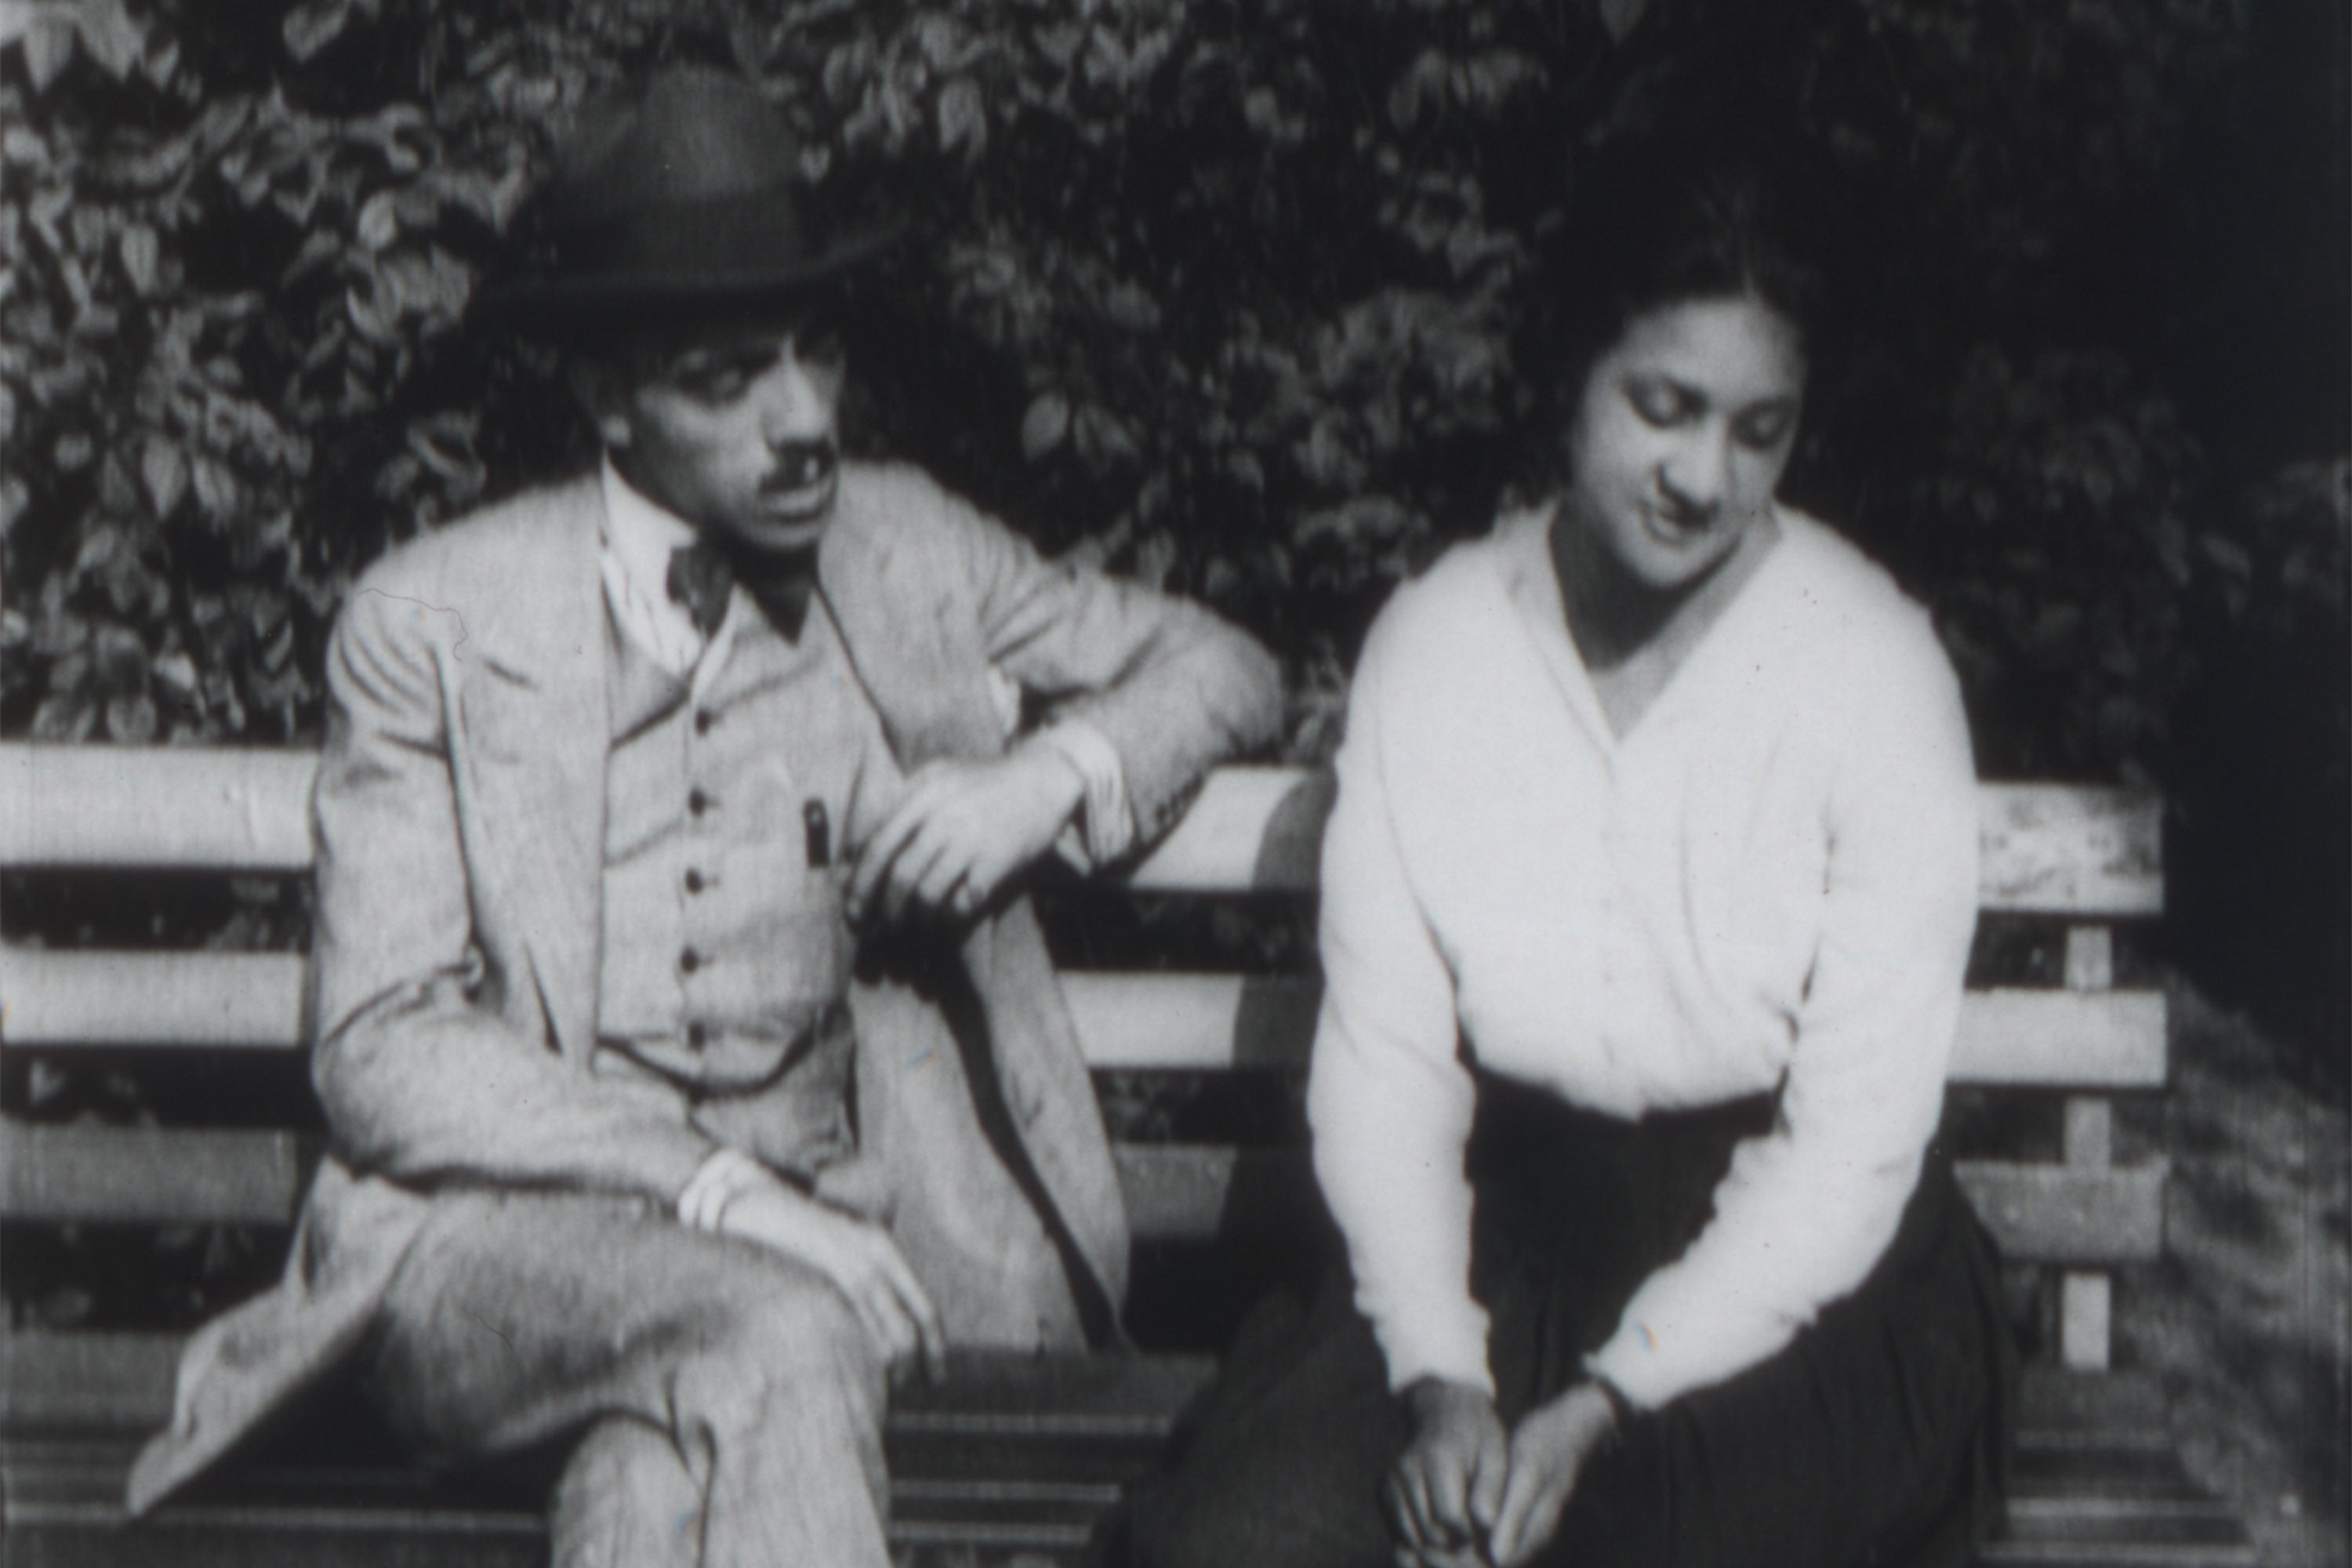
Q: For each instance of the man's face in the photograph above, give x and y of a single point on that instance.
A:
(731, 425)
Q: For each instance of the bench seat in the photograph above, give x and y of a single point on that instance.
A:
(1012, 1455)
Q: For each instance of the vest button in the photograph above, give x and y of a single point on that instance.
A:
(697, 802)
(689, 961)
(703, 720)
(696, 1037)
(694, 881)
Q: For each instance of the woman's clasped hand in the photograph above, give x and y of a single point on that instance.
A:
(1467, 1492)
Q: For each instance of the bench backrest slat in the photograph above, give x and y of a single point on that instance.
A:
(2047, 849)
(212, 1001)
(1175, 1192)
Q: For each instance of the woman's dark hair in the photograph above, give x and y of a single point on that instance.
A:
(1658, 218)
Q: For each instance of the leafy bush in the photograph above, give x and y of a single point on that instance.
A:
(1222, 292)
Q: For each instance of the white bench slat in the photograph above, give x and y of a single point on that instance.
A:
(2057, 1214)
(2047, 849)
(1182, 1192)
(150, 1175)
(2036, 1214)
(2067, 849)
(64, 1000)
(230, 809)
(182, 1001)
(2014, 1038)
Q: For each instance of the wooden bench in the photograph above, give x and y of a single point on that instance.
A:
(1009, 1458)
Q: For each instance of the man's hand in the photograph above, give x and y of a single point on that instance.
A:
(860, 1260)
(1444, 1492)
(962, 829)
(1548, 1451)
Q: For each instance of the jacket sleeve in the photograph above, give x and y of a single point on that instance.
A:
(1174, 688)
(424, 1078)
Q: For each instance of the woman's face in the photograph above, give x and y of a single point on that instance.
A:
(1680, 436)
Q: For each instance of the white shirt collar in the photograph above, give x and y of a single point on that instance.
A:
(641, 532)
(634, 550)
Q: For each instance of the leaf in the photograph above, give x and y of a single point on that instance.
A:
(1423, 80)
(216, 486)
(16, 16)
(2227, 555)
(379, 223)
(939, 39)
(141, 251)
(109, 37)
(131, 720)
(68, 716)
(176, 672)
(963, 118)
(366, 317)
(49, 49)
(159, 60)
(322, 247)
(1042, 427)
(1131, 308)
(1620, 16)
(165, 473)
(313, 24)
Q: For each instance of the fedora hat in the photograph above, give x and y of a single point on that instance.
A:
(684, 197)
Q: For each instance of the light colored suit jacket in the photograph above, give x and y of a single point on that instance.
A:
(460, 814)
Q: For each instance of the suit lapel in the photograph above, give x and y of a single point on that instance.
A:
(536, 735)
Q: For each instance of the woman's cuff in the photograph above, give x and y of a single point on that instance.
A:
(1633, 1372)
(1450, 1353)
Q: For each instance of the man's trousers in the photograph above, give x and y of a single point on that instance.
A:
(725, 1404)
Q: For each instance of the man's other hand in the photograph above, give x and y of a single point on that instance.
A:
(1445, 1489)
(860, 1260)
(962, 830)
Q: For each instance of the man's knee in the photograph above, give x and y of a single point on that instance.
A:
(625, 1499)
(788, 1337)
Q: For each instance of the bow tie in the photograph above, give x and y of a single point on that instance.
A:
(780, 583)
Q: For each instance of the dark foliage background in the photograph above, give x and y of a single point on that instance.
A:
(1222, 293)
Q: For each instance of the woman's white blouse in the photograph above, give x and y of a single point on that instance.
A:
(1769, 881)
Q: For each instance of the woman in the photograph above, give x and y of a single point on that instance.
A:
(1647, 899)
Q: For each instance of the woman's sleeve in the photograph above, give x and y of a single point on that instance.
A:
(1389, 1098)
(1807, 1210)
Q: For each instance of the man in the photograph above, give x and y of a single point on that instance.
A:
(692, 1059)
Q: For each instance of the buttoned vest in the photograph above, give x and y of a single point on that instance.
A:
(726, 952)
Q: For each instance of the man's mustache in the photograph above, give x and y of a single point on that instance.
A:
(800, 465)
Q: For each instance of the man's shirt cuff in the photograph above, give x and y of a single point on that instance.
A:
(721, 1178)
(1104, 827)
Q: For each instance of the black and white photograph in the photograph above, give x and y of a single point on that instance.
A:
(1176, 783)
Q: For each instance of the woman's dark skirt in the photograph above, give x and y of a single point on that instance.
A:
(1874, 1438)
